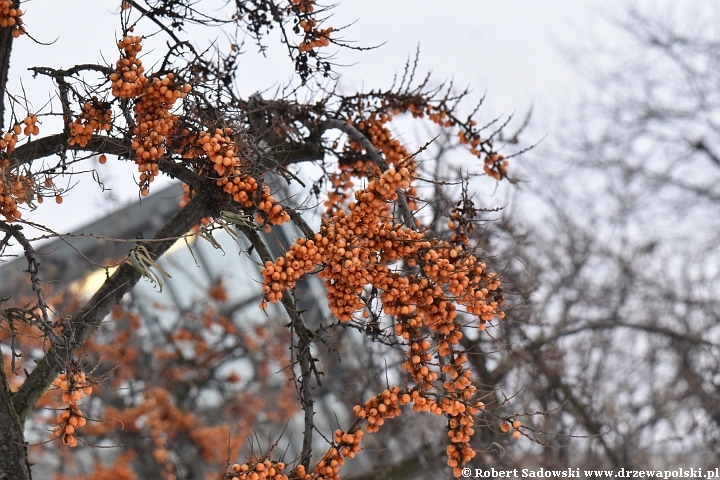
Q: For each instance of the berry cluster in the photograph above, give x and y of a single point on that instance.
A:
(10, 139)
(221, 151)
(74, 387)
(10, 17)
(374, 127)
(95, 116)
(304, 6)
(128, 81)
(347, 444)
(357, 249)
(15, 189)
(155, 125)
(31, 127)
(384, 406)
(300, 259)
(266, 470)
(314, 37)
(515, 425)
(417, 364)
(224, 161)
(154, 100)
(385, 106)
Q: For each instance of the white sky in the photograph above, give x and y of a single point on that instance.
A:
(507, 49)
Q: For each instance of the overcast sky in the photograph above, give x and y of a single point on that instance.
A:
(510, 50)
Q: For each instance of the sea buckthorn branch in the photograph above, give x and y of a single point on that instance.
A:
(433, 105)
(95, 115)
(256, 18)
(43, 147)
(154, 122)
(447, 266)
(64, 89)
(304, 353)
(433, 309)
(74, 385)
(82, 325)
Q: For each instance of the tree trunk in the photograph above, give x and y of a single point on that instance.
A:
(14, 463)
(6, 41)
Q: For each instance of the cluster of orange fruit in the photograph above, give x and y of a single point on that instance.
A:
(10, 17)
(495, 165)
(155, 125)
(455, 404)
(30, 126)
(94, 117)
(507, 426)
(74, 387)
(382, 139)
(381, 407)
(265, 470)
(315, 38)
(128, 80)
(15, 189)
(355, 250)
(347, 246)
(224, 156)
(374, 127)
(346, 445)
(10, 139)
(304, 6)
(417, 364)
(154, 100)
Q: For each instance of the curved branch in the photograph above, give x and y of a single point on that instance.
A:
(658, 330)
(54, 144)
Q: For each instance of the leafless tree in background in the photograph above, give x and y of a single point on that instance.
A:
(619, 260)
